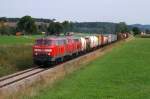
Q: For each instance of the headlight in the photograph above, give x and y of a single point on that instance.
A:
(36, 54)
(37, 50)
(49, 54)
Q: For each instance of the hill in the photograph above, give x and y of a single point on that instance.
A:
(97, 27)
(142, 27)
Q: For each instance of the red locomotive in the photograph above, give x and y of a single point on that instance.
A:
(54, 49)
(49, 49)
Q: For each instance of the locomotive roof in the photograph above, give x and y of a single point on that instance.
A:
(52, 38)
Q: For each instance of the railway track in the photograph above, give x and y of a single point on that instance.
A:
(4, 81)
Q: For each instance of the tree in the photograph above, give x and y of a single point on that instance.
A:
(51, 28)
(4, 19)
(59, 28)
(66, 26)
(55, 28)
(121, 27)
(42, 27)
(136, 30)
(27, 24)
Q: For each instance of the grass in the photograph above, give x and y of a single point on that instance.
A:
(15, 58)
(123, 73)
(7, 40)
(27, 39)
(16, 53)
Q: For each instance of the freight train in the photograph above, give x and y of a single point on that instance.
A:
(54, 50)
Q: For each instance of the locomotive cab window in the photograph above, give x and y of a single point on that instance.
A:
(61, 42)
(44, 42)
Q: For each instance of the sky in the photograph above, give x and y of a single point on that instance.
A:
(129, 11)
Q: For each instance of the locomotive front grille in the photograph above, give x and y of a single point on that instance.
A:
(42, 57)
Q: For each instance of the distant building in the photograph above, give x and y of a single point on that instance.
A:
(143, 33)
(19, 33)
(11, 24)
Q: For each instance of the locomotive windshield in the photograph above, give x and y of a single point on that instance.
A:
(44, 42)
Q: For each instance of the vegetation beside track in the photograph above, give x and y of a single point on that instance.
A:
(15, 58)
(15, 53)
(122, 73)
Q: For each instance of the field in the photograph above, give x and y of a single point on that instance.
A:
(122, 73)
(7, 40)
(15, 53)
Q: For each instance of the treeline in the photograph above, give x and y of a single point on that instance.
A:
(17, 19)
(29, 25)
(97, 27)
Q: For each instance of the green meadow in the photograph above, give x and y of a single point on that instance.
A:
(122, 73)
(28, 39)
